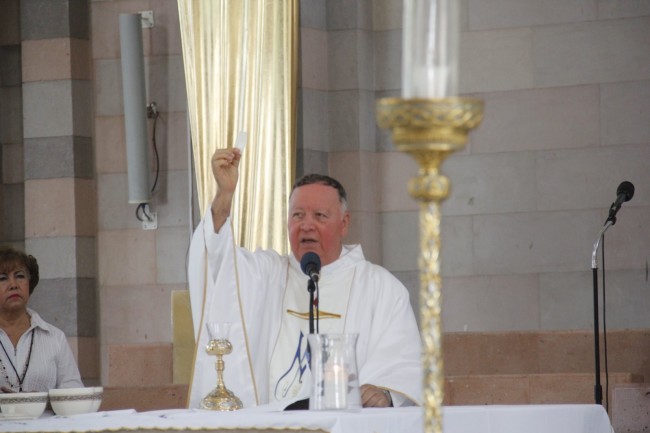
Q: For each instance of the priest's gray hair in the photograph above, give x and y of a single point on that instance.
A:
(322, 179)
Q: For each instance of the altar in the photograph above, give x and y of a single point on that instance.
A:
(456, 419)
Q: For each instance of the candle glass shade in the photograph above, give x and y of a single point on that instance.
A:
(430, 49)
(220, 398)
(335, 382)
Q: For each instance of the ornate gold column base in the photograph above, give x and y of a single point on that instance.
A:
(430, 130)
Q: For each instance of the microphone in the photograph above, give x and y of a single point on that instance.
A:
(310, 265)
(624, 192)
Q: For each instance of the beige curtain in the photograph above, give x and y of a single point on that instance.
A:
(240, 61)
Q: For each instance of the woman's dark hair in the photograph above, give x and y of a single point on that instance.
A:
(11, 258)
(322, 179)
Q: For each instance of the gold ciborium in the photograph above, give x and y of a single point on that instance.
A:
(220, 398)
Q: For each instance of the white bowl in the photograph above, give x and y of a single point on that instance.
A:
(23, 404)
(74, 401)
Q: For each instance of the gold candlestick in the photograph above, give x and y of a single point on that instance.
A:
(220, 398)
(430, 130)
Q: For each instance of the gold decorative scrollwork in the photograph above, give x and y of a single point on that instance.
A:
(430, 130)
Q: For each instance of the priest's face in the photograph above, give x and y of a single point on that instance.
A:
(318, 222)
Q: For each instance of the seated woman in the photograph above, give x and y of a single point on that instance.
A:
(34, 355)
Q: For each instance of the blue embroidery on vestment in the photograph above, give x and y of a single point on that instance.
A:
(299, 364)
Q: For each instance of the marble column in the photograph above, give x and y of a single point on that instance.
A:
(59, 185)
(12, 227)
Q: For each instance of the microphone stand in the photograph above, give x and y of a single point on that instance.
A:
(311, 288)
(310, 265)
(598, 390)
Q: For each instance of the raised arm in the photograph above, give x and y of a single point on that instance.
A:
(225, 168)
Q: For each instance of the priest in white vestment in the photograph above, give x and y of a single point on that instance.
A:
(264, 295)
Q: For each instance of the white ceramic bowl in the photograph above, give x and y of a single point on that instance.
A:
(23, 404)
(74, 401)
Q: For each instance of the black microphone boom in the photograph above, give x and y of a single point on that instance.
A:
(624, 192)
(310, 265)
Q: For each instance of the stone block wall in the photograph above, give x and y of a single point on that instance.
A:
(567, 118)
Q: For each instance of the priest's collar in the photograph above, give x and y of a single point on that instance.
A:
(350, 256)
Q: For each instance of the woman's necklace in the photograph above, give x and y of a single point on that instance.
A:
(29, 357)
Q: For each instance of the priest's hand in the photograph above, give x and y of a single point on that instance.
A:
(371, 396)
(225, 169)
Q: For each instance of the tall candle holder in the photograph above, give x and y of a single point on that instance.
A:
(430, 130)
(220, 398)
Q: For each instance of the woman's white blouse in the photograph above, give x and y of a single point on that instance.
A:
(51, 365)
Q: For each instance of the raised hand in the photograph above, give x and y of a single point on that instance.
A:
(225, 169)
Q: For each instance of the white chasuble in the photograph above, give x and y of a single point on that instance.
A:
(264, 295)
(289, 369)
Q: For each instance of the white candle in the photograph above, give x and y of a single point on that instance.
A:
(430, 49)
(335, 387)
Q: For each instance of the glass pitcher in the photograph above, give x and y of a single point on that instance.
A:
(335, 380)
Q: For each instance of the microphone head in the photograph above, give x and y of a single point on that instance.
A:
(627, 189)
(310, 263)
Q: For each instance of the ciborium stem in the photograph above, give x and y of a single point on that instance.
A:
(429, 130)
(220, 366)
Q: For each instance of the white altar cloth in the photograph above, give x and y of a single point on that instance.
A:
(456, 419)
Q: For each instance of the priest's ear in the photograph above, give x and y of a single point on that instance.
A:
(345, 224)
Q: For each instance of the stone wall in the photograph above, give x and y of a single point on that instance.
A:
(567, 93)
